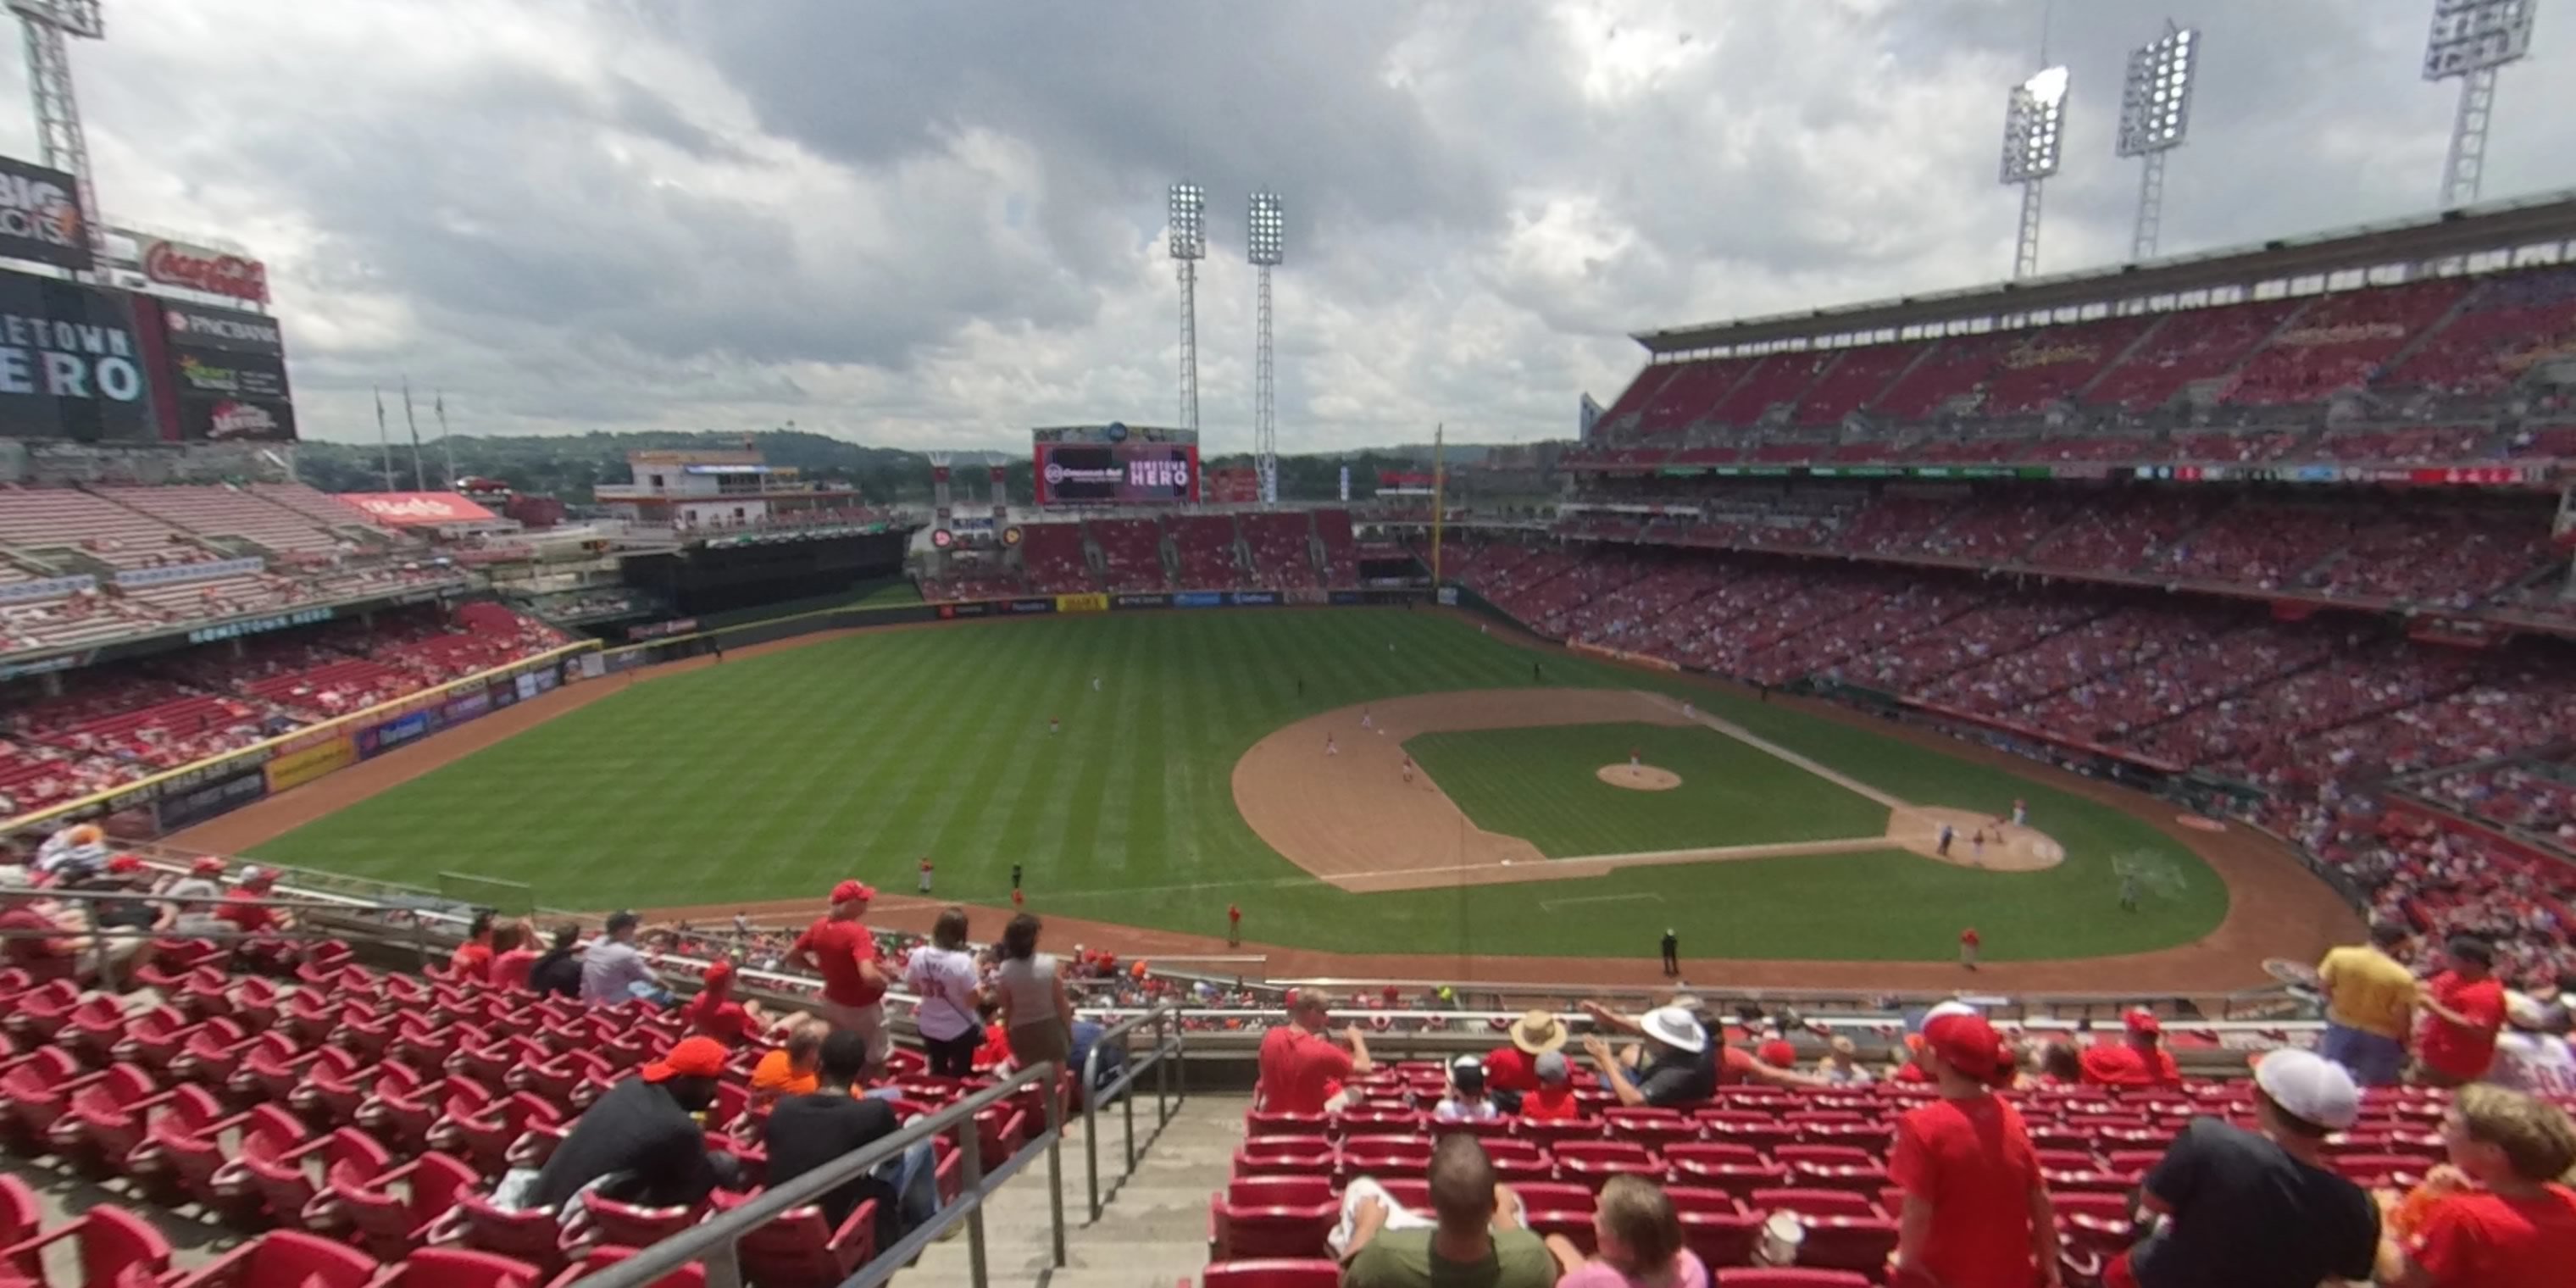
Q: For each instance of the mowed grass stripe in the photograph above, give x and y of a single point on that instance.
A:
(769, 777)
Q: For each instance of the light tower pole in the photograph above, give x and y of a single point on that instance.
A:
(47, 25)
(2470, 42)
(2032, 118)
(1189, 246)
(2155, 115)
(1265, 246)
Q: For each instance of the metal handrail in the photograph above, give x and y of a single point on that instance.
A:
(89, 900)
(711, 1242)
(1165, 1058)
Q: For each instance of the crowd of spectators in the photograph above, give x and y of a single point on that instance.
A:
(112, 725)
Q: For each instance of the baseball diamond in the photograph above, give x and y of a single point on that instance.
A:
(1197, 774)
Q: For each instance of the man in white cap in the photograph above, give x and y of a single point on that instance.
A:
(2530, 1056)
(1720, 1064)
(2261, 1207)
(1675, 1069)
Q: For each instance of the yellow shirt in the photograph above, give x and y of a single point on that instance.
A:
(2368, 990)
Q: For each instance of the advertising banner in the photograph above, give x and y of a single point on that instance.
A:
(1140, 601)
(458, 710)
(660, 630)
(1088, 603)
(1253, 598)
(187, 809)
(1347, 597)
(45, 588)
(1198, 599)
(526, 685)
(376, 741)
(1023, 606)
(73, 362)
(592, 667)
(506, 692)
(1125, 473)
(40, 216)
(544, 679)
(200, 268)
(226, 372)
(296, 768)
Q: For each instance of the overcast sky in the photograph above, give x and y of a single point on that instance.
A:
(936, 224)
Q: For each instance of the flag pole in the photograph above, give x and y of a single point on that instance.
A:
(417, 483)
(384, 442)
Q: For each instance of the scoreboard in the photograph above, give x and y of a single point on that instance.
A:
(1116, 464)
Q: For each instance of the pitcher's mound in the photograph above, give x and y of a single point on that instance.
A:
(1639, 778)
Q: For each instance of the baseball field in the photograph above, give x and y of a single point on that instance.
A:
(1357, 780)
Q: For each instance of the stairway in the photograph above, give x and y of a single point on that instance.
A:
(1152, 1231)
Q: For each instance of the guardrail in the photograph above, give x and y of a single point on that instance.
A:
(102, 936)
(711, 1243)
(1171, 1086)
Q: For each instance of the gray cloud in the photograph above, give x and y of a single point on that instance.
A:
(938, 224)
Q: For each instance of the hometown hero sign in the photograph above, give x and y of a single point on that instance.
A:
(71, 365)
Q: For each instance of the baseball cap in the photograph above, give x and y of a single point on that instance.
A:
(1676, 1028)
(2309, 1087)
(1469, 1073)
(207, 866)
(2141, 1021)
(853, 892)
(692, 1058)
(1552, 1068)
(1968, 1044)
(259, 876)
(719, 972)
(125, 863)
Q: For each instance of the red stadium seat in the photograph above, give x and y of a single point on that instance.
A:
(457, 1268)
(1789, 1277)
(1283, 1231)
(286, 1257)
(601, 1258)
(798, 1250)
(1274, 1272)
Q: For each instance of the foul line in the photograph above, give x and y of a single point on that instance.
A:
(1748, 738)
(1551, 905)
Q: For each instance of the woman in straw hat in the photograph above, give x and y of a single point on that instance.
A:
(1511, 1072)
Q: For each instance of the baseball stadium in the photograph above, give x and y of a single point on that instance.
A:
(2143, 697)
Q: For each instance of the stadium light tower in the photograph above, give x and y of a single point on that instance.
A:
(47, 25)
(1189, 246)
(1265, 245)
(2033, 117)
(2470, 42)
(2155, 115)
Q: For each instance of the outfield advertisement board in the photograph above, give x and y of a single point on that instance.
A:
(208, 800)
(296, 768)
(74, 363)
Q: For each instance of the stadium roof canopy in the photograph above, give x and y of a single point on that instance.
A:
(2494, 232)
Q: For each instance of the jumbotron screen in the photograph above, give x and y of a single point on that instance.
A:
(1126, 473)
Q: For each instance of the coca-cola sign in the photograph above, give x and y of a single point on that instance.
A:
(196, 268)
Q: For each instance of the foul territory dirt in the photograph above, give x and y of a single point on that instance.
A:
(2275, 908)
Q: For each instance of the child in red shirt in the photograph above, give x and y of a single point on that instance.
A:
(2497, 1216)
(2465, 1011)
(1976, 1212)
(1554, 1099)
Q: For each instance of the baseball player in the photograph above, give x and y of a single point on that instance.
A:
(1408, 771)
(1948, 834)
(1329, 748)
(1969, 944)
(1365, 722)
(1095, 684)
(1054, 725)
(925, 874)
(2128, 892)
(2021, 813)
(1634, 760)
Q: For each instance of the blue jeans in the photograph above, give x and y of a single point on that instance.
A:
(2374, 1061)
(913, 1175)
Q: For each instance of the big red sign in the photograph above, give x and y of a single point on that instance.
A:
(197, 268)
(40, 216)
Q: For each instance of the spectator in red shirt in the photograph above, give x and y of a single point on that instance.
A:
(1976, 1212)
(41, 949)
(1302, 1071)
(2506, 1218)
(839, 948)
(2139, 1060)
(1553, 1099)
(514, 954)
(2465, 1010)
(1511, 1071)
(473, 958)
(716, 1013)
(1970, 942)
(252, 919)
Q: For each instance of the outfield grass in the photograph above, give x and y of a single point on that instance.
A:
(770, 777)
(1541, 784)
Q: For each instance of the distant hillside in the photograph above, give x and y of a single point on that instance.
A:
(568, 465)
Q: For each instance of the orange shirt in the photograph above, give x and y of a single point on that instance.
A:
(774, 1077)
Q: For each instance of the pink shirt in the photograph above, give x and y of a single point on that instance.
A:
(1597, 1273)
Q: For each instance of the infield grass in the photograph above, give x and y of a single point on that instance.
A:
(772, 776)
(1542, 784)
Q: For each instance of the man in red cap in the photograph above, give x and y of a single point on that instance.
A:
(1970, 943)
(1976, 1212)
(2140, 1060)
(839, 948)
(244, 908)
(646, 1127)
(715, 1012)
(1234, 925)
(1302, 1071)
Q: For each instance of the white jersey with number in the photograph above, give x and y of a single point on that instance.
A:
(2535, 1063)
